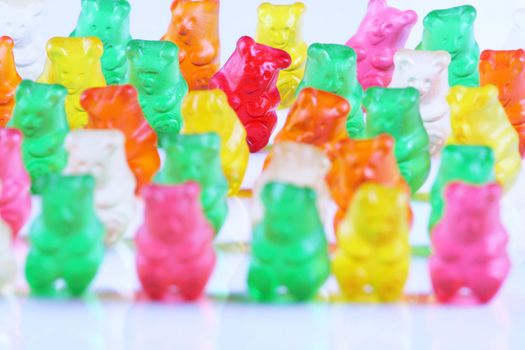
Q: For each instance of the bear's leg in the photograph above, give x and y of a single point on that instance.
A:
(390, 281)
(41, 273)
(80, 271)
(446, 279)
(154, 278)
(262, 282)
(305, 281)
(485, 280)
(352, 277)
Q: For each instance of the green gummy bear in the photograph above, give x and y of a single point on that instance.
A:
(67, 239)
(470, 164)
(333, 68)
(40, 115)
(289, 247)
(155, 73)
(109, 21)
(197, 158)
(396, 112)
(452, 30)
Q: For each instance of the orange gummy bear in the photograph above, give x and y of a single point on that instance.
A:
(9, 79)
(117, 107)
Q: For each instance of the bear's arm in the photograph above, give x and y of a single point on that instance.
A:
(383, 60)
(298, 55)
(360, 51)
(43, 239)
(6, 94)
(205, 55)
(259, 107)
(465, 66)
(168, 101)
(45, 146)
(113, 59)
(262, 248)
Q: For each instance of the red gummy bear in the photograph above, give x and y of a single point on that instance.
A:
(15, 184)
(9, 79)
(249, 78)
(175, 243)
(469, 244)
(117, 107)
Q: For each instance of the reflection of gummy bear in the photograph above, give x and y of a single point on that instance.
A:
(382, 32)
(175, 243)
(155, 73)
(289, 247)
(7, 256)
(9, 79)
(108, 20)
(478, 118)
(427, 71)
(470, 244)
(332, 68)
(66, 240)
(506, 70)
(280, 26)
(40, 114)
(101, 153)
(396, 112)
(75, 64)
(249, 80)
(117, 107)
(15, 196)
(373, 256)
(452, 30)
(194, 28)
(208, 111)
(196, 158)
(469, 164)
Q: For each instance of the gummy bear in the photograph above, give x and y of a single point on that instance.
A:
(7, 257)
(280, 26)
(355, 162)
(22, 22)
(332, 68)
(155, 73)
(194, 28)
(41, 117)
(249, 80)
(478, 118)
(298, 164)
(452, 30)
(382, 32)
(66, 240)
(208, 111)
(373, 252)
(396, 112)
(15, 196)
(9, 79)
(108, 20)
(75, 64)
(506, 70)
(469, 244)
(117, 107)
(196, 158)
(101, 153)
(427, 71)
(175, 243)
(468, 164)
(289, 248)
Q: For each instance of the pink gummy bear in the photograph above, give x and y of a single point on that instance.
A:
(15, 195)
(383, 31)
(175, 243)
(469, 244)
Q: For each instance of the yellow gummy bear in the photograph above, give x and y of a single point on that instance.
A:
(371, 263)
(280, 26)
(75, 64)
(206, 111)
(478, 118)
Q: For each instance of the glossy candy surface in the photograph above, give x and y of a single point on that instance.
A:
(381, 33)
(470, 244)
(194, 28)
(249, 80)
(9, 79)
(208, 111)
(373, 254)
(289, 248)
(175, 243)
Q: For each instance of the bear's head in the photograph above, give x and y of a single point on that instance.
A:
(19, 21)
(7, 63)
(467, 162)
(292, 158)
(206, 110)
(279, 26)
(195, 19)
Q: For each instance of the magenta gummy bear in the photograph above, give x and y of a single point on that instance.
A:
(175, 243)
(469, 244)
(15, 185)
(383, 31)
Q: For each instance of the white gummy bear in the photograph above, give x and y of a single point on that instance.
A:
(516, 38)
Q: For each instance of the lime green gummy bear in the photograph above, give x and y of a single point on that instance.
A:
(289, 247)
(196, 157)
(333, 68)
(452, 30)
(67, 239)
(109, 21)
(41, 117)
(471, 164)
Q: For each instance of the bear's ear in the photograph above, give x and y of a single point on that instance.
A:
(122, 9)
(318, 53)
(384, 143)
(517, 62)
(169, 53)
(192, 190)
(134, 50)
(403, 61)
(487, 61)
(372, 95)
(441, 60)
(468, 14)
(408, 17)
(342, 106)
(377, 5)
(456, 94)
(94, 47)
(310, 195)
(57, 94)
(213, 141)
(25, 88)
(245, 45)
(87, 181)
(7, 42)
(494, 192)
(55, 48)
(283, 59)
(410, 96)
(491, 92)
(264, 10)
(35, 8)
(114, 141)
(298, 9)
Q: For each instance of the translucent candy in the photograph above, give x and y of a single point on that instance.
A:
(9, 80)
